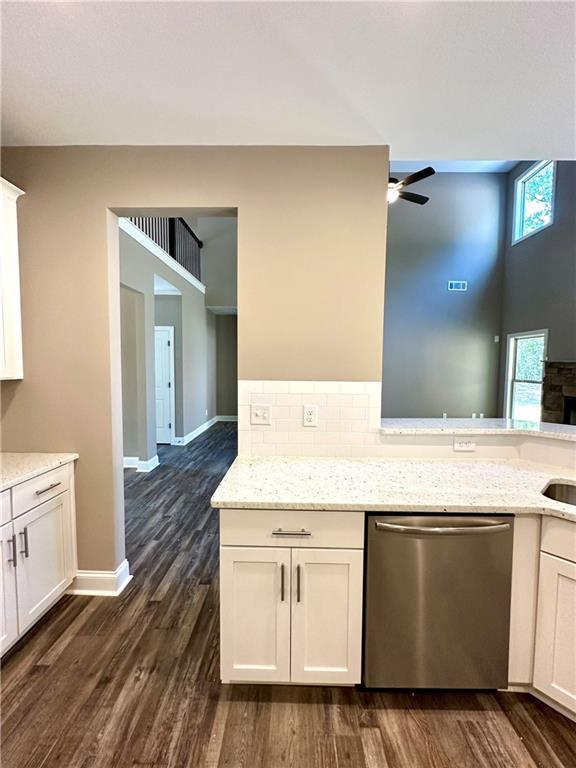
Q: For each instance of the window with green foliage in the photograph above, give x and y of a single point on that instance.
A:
(534, 200)
(526, 355)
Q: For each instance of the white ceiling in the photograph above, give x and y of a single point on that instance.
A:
(454, 166)
(447, 80)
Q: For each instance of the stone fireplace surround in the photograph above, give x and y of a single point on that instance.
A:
(559, 392)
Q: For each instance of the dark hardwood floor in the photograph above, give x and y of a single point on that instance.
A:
(133, 681)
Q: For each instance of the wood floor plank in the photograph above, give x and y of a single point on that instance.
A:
(133, 681)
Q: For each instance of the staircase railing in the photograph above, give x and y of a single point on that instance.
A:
(175, 237)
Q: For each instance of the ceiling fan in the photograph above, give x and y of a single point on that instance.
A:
(396, 188)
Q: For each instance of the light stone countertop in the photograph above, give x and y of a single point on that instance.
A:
(477, 427)
(392, 485)
(16, 468)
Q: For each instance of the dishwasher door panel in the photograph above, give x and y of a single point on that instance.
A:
(437, 601)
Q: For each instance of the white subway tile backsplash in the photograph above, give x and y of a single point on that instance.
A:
(262, 398)
(348, 418)
(279, 412)
(290, 400)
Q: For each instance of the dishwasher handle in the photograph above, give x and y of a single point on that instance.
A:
(454, 530)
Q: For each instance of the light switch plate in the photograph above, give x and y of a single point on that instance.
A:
(310, 418)
(464, 445)
(260, 414)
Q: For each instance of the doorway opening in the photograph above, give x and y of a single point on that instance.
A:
(178, 302)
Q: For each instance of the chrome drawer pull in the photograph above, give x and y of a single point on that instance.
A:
(301, 532)
(14, 558)
(26, 550)
(50, 487)
(282, 582)
(298, 584)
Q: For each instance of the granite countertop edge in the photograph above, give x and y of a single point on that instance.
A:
(259, 483)
(16, 468)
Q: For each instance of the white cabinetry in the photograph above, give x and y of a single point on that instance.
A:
(291, 612)
(326, 616)
(8, 605)
(38, 549)
(255, 613)
(555, 656)
(44, 567)
(11, 366)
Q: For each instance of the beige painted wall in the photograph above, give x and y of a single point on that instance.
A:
(227, 365)
(311, 258)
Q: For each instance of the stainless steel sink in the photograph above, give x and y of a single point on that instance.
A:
(561, 492)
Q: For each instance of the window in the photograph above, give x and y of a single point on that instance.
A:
(526, 355)
(534, 200)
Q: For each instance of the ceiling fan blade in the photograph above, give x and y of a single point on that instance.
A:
(413, 197)
(418, 176)
(392, 180)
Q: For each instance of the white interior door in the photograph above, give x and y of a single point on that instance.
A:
(255, 614)
(326, 615)
(8, 605)
(164, 364)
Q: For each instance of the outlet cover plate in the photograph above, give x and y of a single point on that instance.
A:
(310, 416)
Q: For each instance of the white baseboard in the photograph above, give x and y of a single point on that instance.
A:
(102, 583)
(202, 428)
(133, 462)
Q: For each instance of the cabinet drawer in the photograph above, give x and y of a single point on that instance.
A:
(5, 507)
(273, 528)
(40, 489)
(559, 538)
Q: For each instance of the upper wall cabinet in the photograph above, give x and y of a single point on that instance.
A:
(11, 366)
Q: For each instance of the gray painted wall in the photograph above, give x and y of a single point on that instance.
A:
(219, 259)
(227, 365)
(540, 272)
(168, 311)
(439, 350)
(133, 372)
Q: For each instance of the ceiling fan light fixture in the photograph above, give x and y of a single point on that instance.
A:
(393, 193)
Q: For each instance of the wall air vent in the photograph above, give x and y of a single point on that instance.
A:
(457, 285)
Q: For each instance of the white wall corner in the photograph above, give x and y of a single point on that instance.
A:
(133, 462)
(102, 583)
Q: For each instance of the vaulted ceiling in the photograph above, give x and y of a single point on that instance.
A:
(440, 80)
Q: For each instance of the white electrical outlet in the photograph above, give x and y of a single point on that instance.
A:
(310, 415)
(464, 445)
(260, 414)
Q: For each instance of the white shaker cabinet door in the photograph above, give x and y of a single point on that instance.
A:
(43, 538)
(255, 614)
(555, 657)
(8, 604)
(326, 616)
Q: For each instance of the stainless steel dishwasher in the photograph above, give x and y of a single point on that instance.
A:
(437, 604)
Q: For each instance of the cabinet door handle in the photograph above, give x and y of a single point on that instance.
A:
(14, 558)
(282, 582)
(281, 532)
(26, 550)
(297, 583)
(49, 488)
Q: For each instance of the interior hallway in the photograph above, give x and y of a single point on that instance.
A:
(134, 681)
